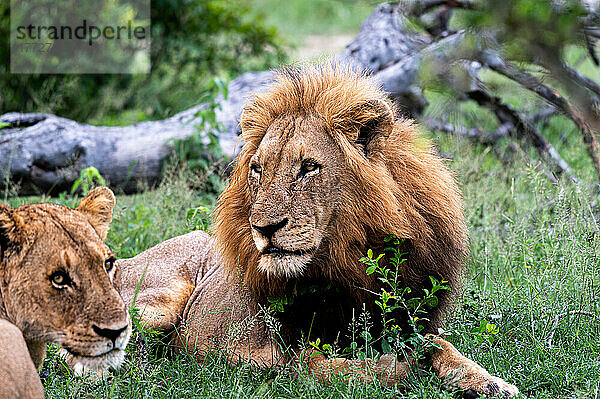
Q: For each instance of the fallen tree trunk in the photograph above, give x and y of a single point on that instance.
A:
(43, 153)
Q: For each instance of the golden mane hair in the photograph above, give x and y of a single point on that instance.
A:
(396, 185)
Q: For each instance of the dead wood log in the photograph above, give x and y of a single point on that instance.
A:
(43, 153)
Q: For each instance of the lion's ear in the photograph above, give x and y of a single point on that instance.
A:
(98, 206)
(374, 118)
(11, 228)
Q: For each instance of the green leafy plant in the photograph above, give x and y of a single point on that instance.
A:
(485, 332)
(485, 328)
(396, 303)
(321, 348)
(278, 304)
(88, 179)
(395, 299)
(198, 218)
(201, 152)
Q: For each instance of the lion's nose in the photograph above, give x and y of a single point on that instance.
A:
(109, 333)
(270, 229)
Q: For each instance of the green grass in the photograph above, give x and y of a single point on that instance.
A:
(534, 256)
(295, 19)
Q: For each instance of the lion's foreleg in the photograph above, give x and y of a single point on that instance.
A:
(459, 372)
(386, 369)
(160, 281)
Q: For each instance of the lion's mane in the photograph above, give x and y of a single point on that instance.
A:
(399, 187)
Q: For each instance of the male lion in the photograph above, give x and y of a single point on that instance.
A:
(58, 284)
(326, 173)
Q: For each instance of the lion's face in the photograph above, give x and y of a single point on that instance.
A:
(293, 178)
(60, 280)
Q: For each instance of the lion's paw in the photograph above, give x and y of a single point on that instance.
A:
(495, 387)
(475, 381)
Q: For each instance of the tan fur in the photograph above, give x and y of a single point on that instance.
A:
(166, 277)
(17, 372)
(326, 173)
(37, 241)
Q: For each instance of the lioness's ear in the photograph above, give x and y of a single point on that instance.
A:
(373, 118)
(98, 207)
(11, 228)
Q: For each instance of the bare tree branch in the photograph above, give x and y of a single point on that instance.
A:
(471, 133)
(532, 83)
(582, 80)
(523, 130)
(542, 115)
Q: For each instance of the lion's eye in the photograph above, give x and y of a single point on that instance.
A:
(309, 168)
(109, 263)
(60, 279)
(256, 169)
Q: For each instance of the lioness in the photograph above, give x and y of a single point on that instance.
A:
(58, 284)
(326, 173)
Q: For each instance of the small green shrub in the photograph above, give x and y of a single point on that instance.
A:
(395, 299)
(198, 218)
(88, 179)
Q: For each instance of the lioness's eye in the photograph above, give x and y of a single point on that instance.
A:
(109, 263)
(60, 279)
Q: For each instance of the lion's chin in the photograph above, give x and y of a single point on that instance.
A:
(95, 364)
(283, 265)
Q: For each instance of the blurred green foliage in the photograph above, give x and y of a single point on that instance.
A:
(200, 153)
(36, 48)
(192, 41)
(527, 27)
(88, 179)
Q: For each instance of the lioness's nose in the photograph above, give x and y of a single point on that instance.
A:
(270, 229)
(109, 333)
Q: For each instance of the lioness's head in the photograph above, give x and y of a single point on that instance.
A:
(59, 280)
(325, 173)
